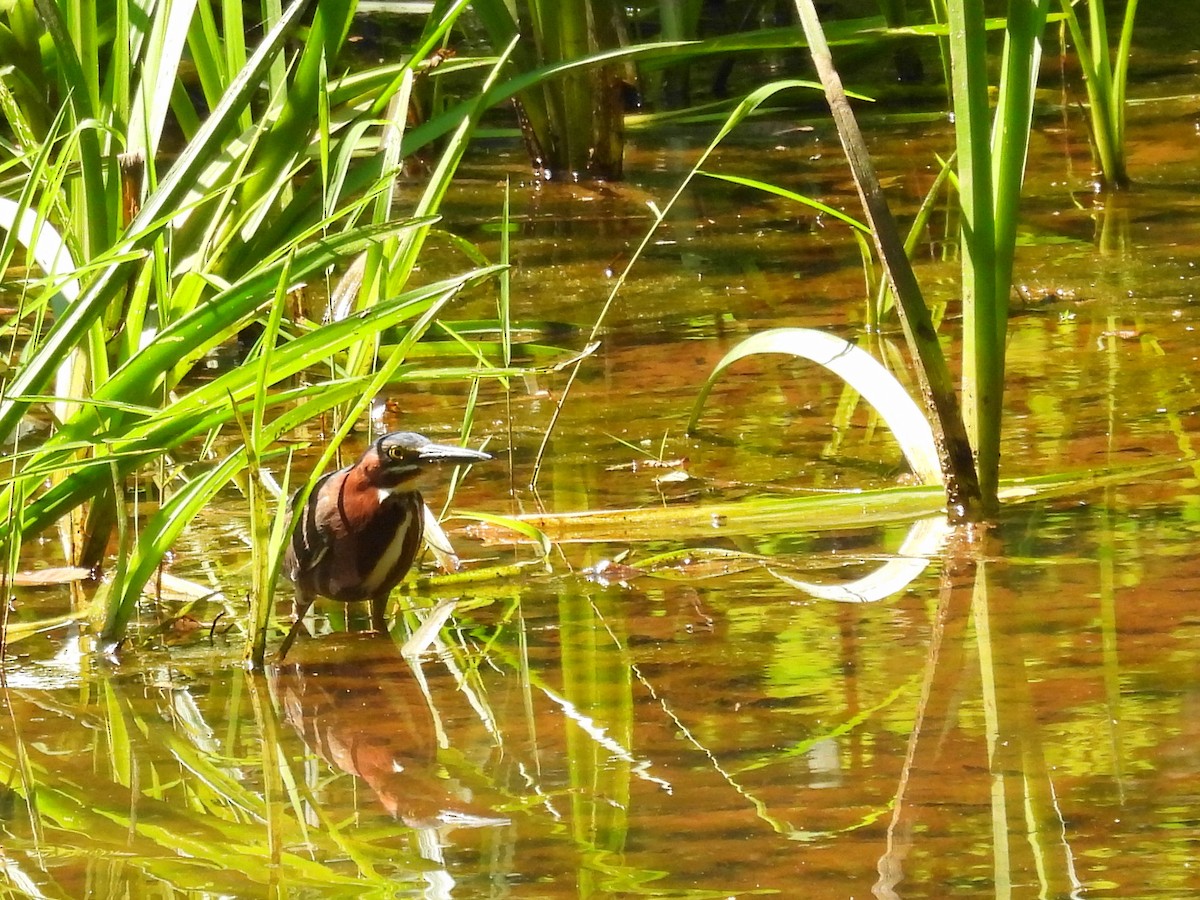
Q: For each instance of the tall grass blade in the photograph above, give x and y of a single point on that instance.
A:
(991, 167)
(964, 501)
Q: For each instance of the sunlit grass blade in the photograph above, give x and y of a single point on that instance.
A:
(991, 167)
(858, 369)
(821, 512)
(267, 531)
(791, 195)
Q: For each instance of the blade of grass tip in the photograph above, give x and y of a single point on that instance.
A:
(743, 109)
(778, 191)
(323, 132)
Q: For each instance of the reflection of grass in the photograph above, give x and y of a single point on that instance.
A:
(175, 807)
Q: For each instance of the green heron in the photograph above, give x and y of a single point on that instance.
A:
(361, 528)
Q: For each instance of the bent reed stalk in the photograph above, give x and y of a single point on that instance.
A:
(991, 155)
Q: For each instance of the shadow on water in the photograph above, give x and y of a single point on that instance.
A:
(1019, 720)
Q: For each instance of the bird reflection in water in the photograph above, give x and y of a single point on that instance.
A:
(381, 715)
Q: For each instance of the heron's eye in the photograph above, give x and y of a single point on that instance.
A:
(396, 453)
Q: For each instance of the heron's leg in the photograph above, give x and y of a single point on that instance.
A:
(300, 606)
(379, 614)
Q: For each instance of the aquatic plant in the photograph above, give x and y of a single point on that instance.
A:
(991, 171)
(1105, 79)
(176, 256)
(573, 125)
(990, 168)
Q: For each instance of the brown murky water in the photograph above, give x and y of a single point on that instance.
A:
(1022, 719)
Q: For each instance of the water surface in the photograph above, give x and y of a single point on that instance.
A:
(1019, 720)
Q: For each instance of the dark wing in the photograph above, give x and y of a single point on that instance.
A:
(310, 542)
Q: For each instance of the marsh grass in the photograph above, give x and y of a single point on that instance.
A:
(175, 255)
(991, 152)
(992, 149)
(1106, 76)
